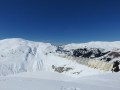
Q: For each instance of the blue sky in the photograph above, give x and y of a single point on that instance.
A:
(60, 21)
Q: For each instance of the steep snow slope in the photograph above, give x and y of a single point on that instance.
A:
(97, 82)
(18, 55)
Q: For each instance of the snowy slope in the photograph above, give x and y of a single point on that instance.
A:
(28, 82)
(18, 55)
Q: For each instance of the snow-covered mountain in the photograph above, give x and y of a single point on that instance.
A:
(107, 51)
(19, 55)
(37, 65)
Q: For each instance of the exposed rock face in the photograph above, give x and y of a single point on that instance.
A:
(61, 69)
(61, 50)
(114, 54)
(88, 53)
(116, 66)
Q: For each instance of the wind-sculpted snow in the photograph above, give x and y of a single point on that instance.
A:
(17, 55)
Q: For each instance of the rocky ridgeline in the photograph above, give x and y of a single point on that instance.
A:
(91, 53)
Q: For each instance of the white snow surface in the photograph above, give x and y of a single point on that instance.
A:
(54, 81)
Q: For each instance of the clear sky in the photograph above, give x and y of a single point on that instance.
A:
(60, 21)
